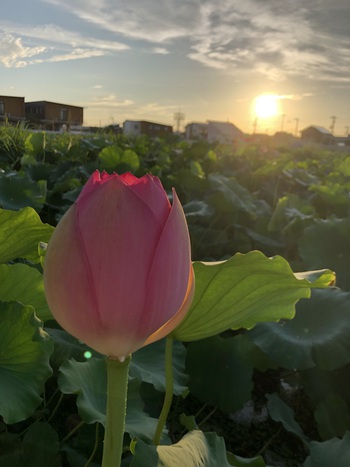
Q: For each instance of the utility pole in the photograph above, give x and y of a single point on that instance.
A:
(178, 118)
(282, 121)
(333, 118)
(296, 127)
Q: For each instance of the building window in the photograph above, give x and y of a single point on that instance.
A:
(136, 127)
(64, 115)
(2, 108)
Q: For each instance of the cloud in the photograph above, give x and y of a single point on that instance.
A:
(109, 102)
(53, 34)
(58, 45)
(260, 37)
(13, 54)
(160, 50)
(151, 21)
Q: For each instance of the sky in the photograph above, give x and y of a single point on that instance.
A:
(207, 59)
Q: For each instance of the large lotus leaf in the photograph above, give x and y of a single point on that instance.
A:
(320, 384)
(114, 157)
(20, 233)
(280, 412)
(22, 283)
(67, 347)
(243, 291)
(332, 416)
(89, 381)
(327, 243)
(197, 211)
(39, 448)
(238, 461)
(147, 365)
(196, 449)
(319, 334)
(219, 373)
(334, 452)
(343, 166)
(290, 212)
(25, 351)
(228, 195)
(333, 194)
(18, 191)
(35, 144)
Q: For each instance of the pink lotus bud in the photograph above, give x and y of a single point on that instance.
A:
(118, 272)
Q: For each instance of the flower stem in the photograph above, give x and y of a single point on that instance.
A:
(117, 385)
(169, 390)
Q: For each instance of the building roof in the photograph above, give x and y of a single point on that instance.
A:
(55, 103)
(148, 122)
(11, 97)
(321, 129)
(225, 128)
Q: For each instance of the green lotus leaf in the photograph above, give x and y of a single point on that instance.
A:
(238, 461)
(332, 452)
(24, 284)
(39, 448)
(320, 384)
(18, 191)
(332, 416)
(89, 381)
(220, 363)
(114, 157)
(147, 365)
(230, 196)
(25, 350)
(20, 233)
(319, 334)
(243, 291)
(280, 412)
(326, 243)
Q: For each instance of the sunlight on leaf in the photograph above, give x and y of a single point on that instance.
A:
(20, 233)
(243, 291)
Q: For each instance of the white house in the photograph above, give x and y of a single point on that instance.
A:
(213, 131)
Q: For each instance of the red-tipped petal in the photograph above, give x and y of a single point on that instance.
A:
(169, 275)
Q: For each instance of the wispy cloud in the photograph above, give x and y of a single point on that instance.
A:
(160, 50)
(152, 21)
(54, 44)
(261, 37)
(14, 54)
(110, 101)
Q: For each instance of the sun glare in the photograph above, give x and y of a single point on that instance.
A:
(266, 106)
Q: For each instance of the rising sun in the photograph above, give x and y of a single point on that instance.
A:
(266, 106)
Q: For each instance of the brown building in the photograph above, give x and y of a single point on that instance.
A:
(53, 116)
(141, 127)
(12, 109)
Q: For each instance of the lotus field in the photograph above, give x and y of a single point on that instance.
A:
(204, 288)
